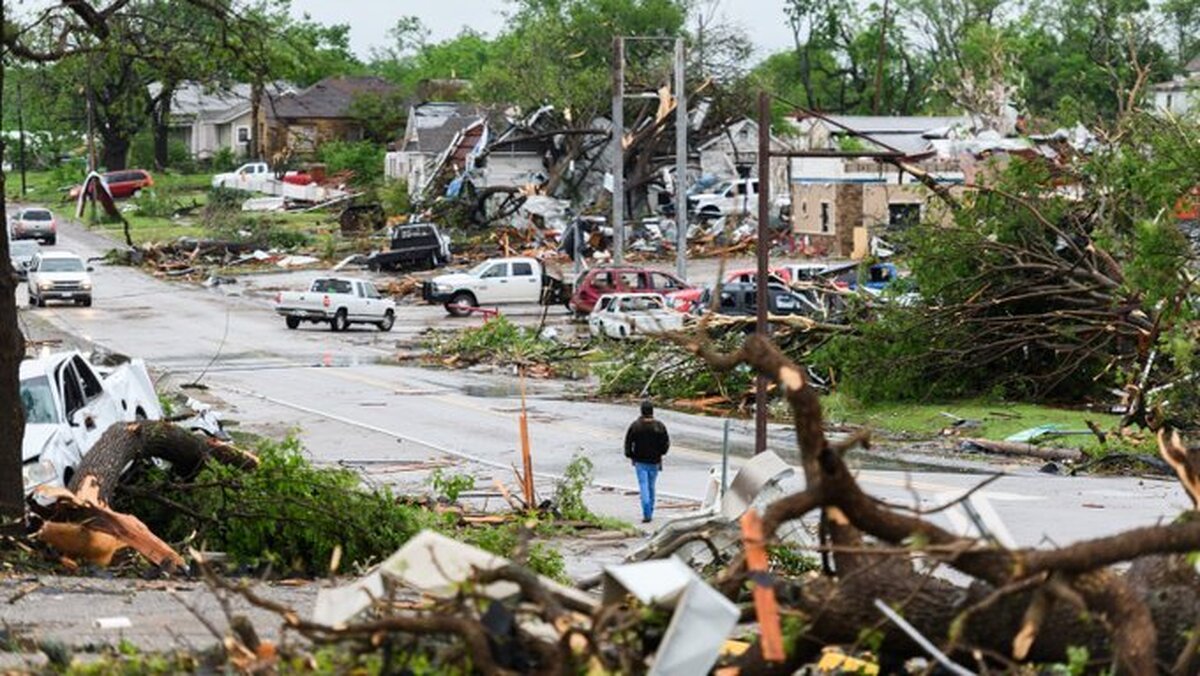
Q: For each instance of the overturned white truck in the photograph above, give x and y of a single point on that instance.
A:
(69, 403)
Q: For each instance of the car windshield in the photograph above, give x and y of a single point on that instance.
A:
(60, 265)
(38, 401)
(22, 247)
(720, 189)
(36, 215)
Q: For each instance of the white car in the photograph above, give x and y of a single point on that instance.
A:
(240, 178)
(69, 403)
(624, 315)
(338, 301)
(59, 275)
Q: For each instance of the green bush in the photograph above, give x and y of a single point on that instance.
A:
(363, 158)
(393, 195)
(223, 160)
(287, 514)
(664, 370)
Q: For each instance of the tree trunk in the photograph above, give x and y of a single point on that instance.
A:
(256, 93)
(123, 443)
(12, 349)
(116, 152)
(161, 118)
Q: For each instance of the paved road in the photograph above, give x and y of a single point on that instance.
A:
(349, 402)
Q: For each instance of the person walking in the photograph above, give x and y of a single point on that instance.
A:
(646, 442)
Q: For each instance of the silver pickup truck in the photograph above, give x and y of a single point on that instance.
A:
(339, 302)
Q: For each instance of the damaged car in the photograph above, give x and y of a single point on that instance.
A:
(69, 403)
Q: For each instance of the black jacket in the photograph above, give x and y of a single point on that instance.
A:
(647, 441)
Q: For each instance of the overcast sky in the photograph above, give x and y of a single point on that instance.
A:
(370, 20)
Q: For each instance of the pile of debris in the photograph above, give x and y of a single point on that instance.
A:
(195, 260)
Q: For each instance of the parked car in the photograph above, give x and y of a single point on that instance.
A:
(741, 299)
(127, 183)
(59, 275)
(412, 245)
(623, 315)
(69, 403)
(495, 282)
(338, 301)
(687, 300)
(600, 281)
(240, 178)
(729, 197)
(21, 253)
(34, 223)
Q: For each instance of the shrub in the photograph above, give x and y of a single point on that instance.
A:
(363, 158)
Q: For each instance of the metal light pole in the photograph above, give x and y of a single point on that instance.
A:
(681, 129)
(618, 152)
(763, 244)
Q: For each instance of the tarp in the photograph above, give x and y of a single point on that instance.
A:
(95, 187)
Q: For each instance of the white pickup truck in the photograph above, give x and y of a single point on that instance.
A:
(240, 178)
(623, 315)
(494, 282)
(69, 403)
(339, 302)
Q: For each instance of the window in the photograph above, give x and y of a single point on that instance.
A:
(606, 303)
(72, 395)
(903, 215)
(824, 216)
(665, 282)
(87, 379)
(602, 280)
(38, 401)
(634, 280)
(497, 270)
(371, 291)
(331, 286)
(522, 269)
(243, 134)
(36, 215)
(61, 265)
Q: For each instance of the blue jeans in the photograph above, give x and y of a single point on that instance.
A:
(647, 474)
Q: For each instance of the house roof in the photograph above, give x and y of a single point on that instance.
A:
(740, 130)
(330, 98)
(210, 103)
(433, 125)
(1178, 84)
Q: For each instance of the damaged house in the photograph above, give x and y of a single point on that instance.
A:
(298, 122)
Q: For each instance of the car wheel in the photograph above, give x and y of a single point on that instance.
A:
(340, 321)
(621, 331)
(32, 300)
(52, 240)
(41, 302)
(389, 320)
(87, 302)
(459, 299)
(135, 193)
(292, 322)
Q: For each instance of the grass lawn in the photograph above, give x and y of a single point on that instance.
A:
(997, 421)
(153, 221)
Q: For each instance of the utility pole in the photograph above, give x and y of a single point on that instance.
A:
(618, 151)
(879, 59)
(763, 245)
(681, 145)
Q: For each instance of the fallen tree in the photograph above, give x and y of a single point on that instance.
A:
(1026, 604)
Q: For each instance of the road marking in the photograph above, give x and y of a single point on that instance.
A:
(436, 446)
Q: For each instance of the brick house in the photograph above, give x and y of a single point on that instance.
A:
(299, 122)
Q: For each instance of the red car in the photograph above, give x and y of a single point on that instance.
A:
(685, 300)
(125, 183)
(613, 279)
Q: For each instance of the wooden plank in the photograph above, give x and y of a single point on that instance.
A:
(765, 605)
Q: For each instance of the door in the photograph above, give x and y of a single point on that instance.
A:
(362, 308)
(494, 285)
(375, 302)
(81, 424)
(526, 287)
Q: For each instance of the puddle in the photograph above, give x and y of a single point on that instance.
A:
(339, 360)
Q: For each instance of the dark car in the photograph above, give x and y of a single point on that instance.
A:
(34, 223)
(125, 183)
(413, 245)
(741, 300)
(620, 279)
